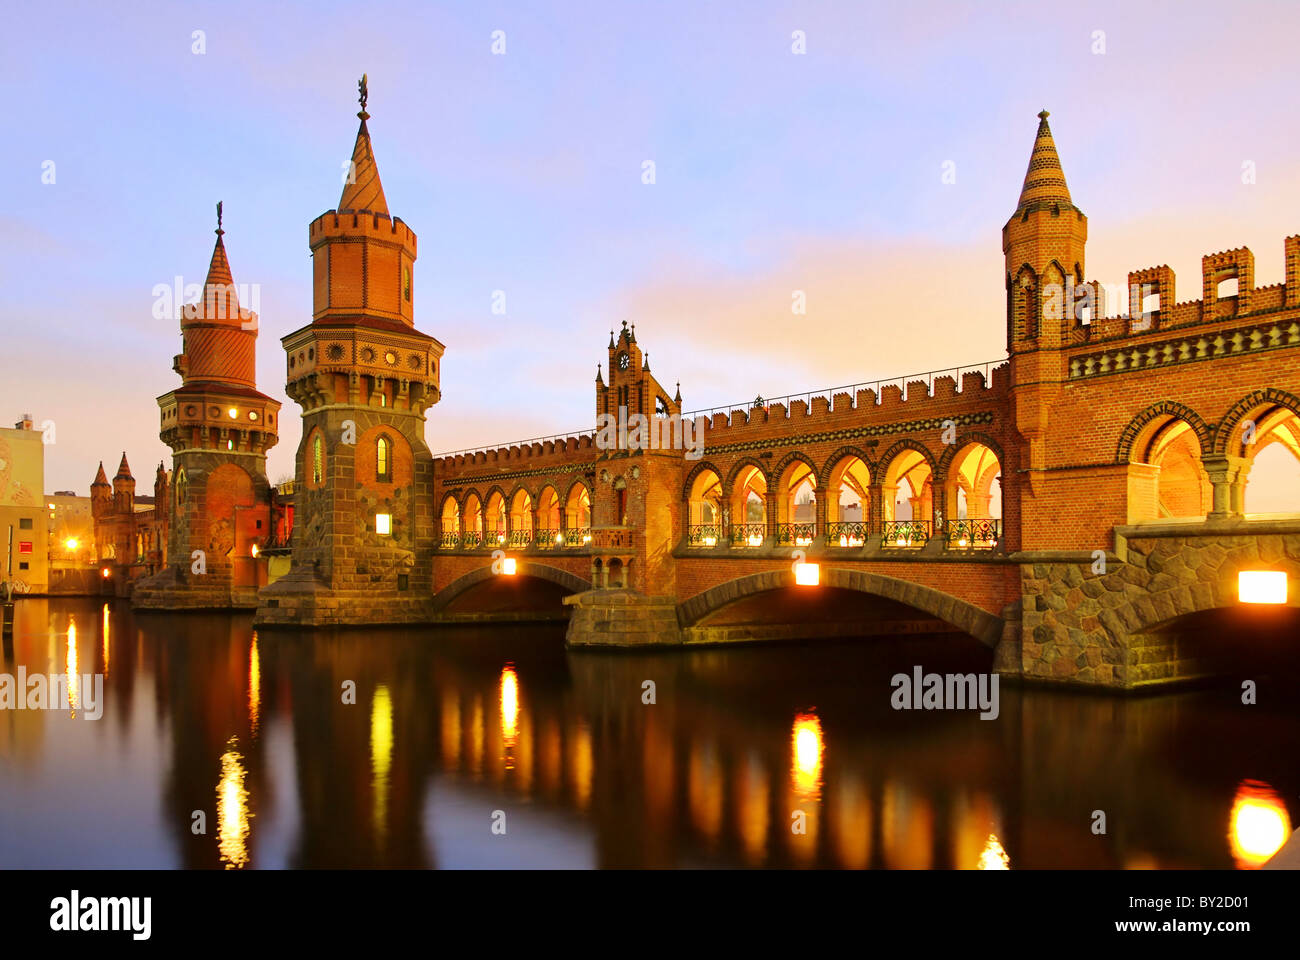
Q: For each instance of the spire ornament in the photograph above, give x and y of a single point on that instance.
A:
(362, 94)
(219, 230)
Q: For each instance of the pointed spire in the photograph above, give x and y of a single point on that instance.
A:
(600, 380)
(611, 339)
(1044, 179)
(124, 469)
(362, 190)
(219, 267)
(101, 478)
(632, 336)
(678, 399)
(645, 363)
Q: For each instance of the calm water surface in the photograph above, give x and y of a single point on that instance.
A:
(202, 713)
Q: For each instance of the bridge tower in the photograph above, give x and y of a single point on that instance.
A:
(636, 504)
(364, 531)
(219, 428)
(1043, 245)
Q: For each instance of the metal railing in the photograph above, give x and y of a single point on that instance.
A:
(986, 368)
(748, 534)
(577, 536)
(704, 534)
(977, 534)
(846, 533)
(547, 539)
(518, 539)
(906, 533)
(795, 534)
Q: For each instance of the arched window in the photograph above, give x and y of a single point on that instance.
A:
(317, 460)
(383, 460)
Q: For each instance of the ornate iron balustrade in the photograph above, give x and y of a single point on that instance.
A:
(577, 537)
(984, 533)
(748, 534)
(795, 534)
(704, 534)
(906, 533)
(548, 539)
(472, 539)
(495, 538)
(519, 539)
(846, 533)
(450, 540)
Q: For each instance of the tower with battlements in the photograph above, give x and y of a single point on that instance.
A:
(364, 377)
(219, 428)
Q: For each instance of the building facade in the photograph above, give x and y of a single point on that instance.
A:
(24, 523)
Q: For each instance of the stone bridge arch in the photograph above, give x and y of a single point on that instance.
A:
(523, 568)
(979, 623)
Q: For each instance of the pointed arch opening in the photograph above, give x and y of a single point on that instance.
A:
(848, 502)
(907, 499)
(704, 508)
(748, 507)
(973, 498)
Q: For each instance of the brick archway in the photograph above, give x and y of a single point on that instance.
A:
(1259, 398)
(1165, 408)
(979, 623)
(524, 568)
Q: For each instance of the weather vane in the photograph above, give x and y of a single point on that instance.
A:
(219, 230)
(361, 89)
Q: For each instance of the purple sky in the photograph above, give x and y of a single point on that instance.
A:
(522, 173)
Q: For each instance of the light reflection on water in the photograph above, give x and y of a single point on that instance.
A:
(450, 725)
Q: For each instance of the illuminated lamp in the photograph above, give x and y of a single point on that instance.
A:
(1261, 586)
(807, 574)
(384, 524)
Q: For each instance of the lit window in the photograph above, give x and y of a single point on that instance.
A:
(317, 460)
(406, 282)
(230, 444)
(384, 524)
(383, 468)
(233, 413)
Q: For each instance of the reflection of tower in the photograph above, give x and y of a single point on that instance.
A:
(219, 428)
(363, 533)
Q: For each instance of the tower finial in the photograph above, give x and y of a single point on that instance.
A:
(1043, 114)
(362, 95)
(219, 230)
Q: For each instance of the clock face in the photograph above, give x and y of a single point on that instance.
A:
(623, 361)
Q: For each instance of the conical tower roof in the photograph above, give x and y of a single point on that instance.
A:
(101, 478)
(124, 469)
(362, 190)
(1044, 179)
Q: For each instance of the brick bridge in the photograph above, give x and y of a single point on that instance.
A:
(1059, 506)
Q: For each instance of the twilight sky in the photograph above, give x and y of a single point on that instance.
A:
(522, 173)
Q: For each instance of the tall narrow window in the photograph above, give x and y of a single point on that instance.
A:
(406, 282)
(383, 460)
(317, 460)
